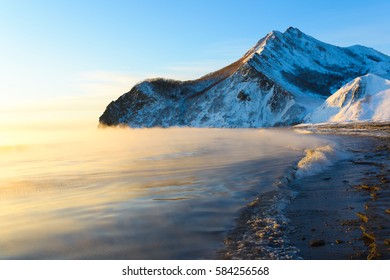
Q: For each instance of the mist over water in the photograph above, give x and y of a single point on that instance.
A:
(136, 193)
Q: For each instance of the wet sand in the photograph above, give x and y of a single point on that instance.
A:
(341, 213)
(345, 214)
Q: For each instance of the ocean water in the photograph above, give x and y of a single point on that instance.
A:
(142, 193)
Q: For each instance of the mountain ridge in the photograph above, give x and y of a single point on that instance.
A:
(279, 81)
(366, 98)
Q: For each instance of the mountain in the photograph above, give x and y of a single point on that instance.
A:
(366, 98)
(284, 77)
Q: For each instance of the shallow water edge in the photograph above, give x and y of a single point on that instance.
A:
(342, 212)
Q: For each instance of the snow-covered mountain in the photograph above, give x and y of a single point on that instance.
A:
(284, 77)
(366, 98)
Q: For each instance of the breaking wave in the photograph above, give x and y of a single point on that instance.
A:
(316, 160)
(262, 227)
(261, 230)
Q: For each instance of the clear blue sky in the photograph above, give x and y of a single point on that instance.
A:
(53, 49)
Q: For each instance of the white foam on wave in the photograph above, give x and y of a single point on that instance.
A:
(262, 233)
(316, 160)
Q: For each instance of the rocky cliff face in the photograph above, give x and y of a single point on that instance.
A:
(284, 77)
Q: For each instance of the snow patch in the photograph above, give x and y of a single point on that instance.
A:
(366, 98)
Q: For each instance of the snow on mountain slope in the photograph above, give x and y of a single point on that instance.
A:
(305, 65)
(279, 81)
(366, 98)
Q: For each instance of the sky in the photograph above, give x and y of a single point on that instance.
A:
(69, 59)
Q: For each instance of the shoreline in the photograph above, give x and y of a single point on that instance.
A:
(345, 214)
(373, 129)
(339, 214)
(360, 230)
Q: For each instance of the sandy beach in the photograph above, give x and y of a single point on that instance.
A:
(345, 215)
(341, 213)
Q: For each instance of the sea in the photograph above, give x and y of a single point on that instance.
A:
(158, 193)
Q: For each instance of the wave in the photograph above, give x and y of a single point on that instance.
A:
(260, 232)
(263, 224)
(316, 160)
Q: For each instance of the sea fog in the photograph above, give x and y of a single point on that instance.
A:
(121, 193)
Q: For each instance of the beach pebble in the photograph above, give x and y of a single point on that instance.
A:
(317, 243)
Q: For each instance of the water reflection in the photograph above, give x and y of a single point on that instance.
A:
(136, 194)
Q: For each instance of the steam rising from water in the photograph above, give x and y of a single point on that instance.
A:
(136, 193)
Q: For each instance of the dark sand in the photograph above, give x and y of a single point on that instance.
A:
(345, 214)
(341, 213)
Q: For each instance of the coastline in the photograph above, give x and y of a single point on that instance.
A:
(341, 213)
(340, 217)
(345, 215)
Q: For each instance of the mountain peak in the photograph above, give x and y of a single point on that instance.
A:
(373, 83)
(364, 98)
(277, 40)
(292, 30)
(285, 76)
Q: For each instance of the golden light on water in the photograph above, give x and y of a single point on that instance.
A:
(66, 185)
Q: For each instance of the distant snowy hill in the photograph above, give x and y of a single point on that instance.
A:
(366, 98)
(279, 81)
